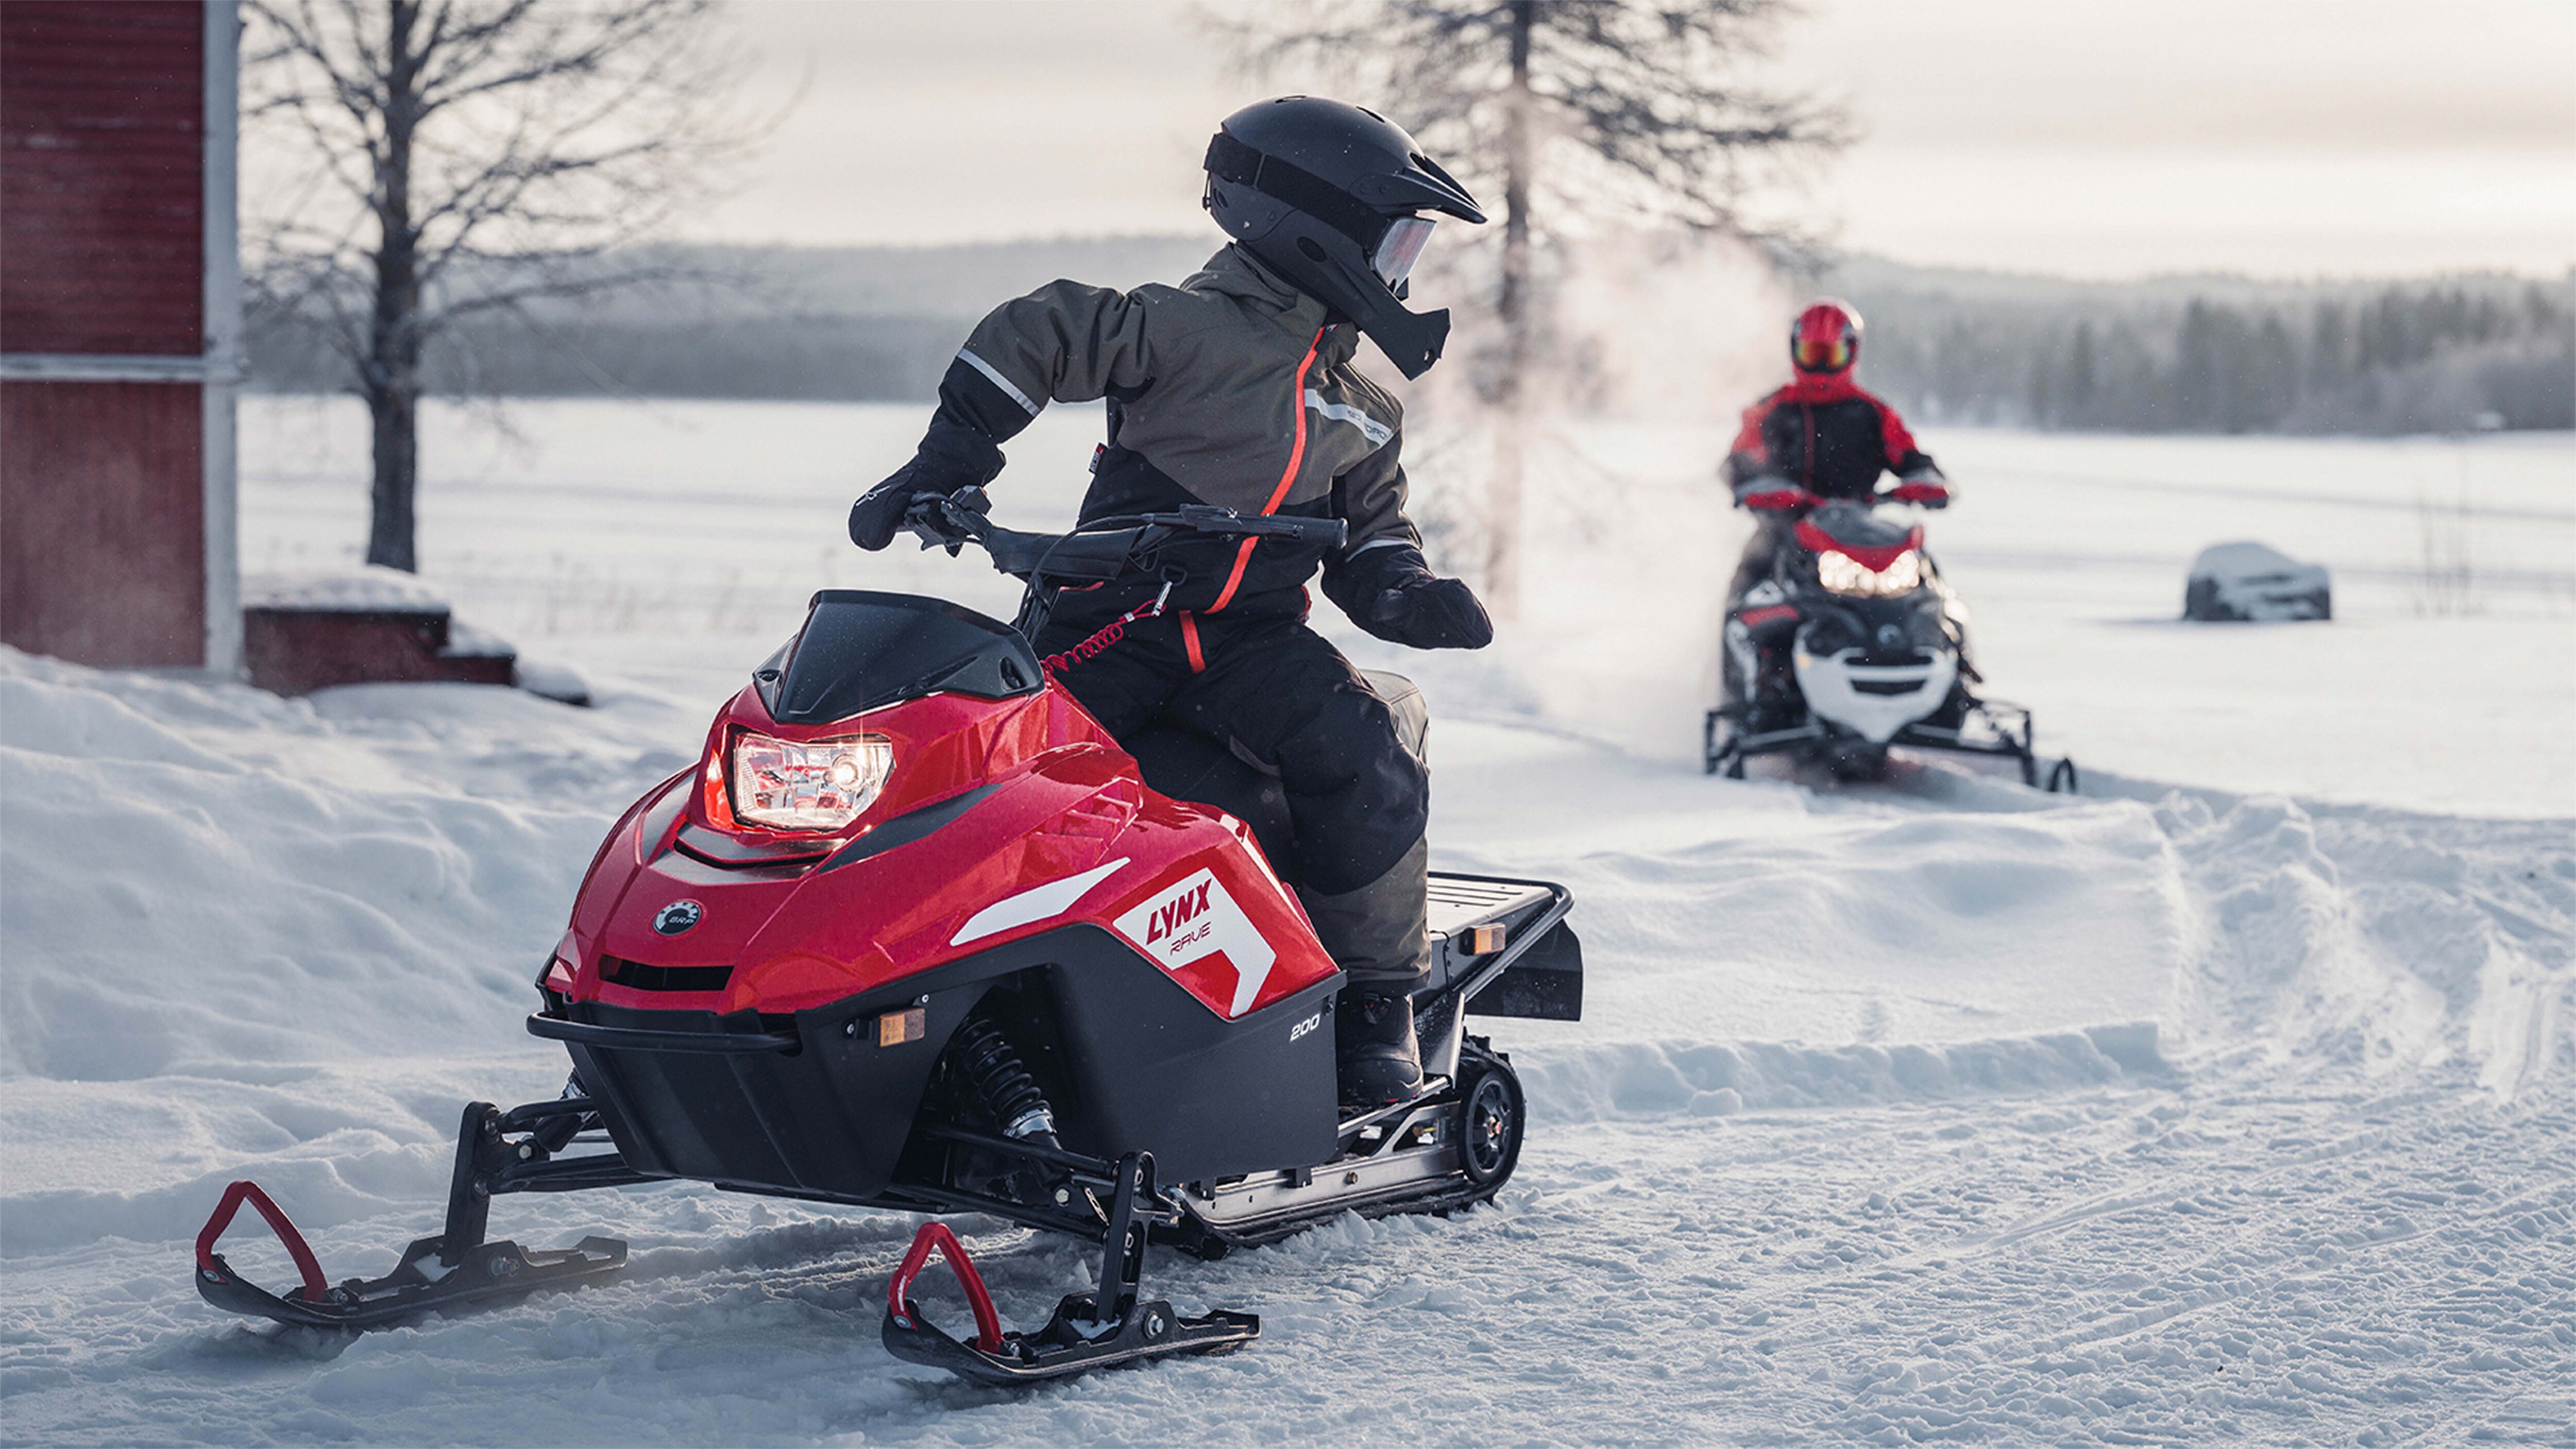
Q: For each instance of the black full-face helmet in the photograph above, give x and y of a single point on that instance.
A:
(1332, 196)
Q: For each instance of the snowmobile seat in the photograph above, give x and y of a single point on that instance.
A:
(1412, 713)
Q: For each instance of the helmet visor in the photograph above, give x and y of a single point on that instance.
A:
(1822, 354)
(1399, 248)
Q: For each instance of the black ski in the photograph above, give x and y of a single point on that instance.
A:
(492, 1272)
(1087, 1331)
(456, 1268)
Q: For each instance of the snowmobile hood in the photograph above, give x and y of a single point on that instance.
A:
(1000, 817)
(1872, 542)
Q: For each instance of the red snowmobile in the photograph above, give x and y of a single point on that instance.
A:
(916, 934)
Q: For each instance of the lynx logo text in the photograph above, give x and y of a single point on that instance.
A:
(1182, 921)
(1196, 919)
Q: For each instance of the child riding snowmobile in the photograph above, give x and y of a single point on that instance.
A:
(917, 932)
(1236, 389)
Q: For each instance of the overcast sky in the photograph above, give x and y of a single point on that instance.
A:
(2087, 137)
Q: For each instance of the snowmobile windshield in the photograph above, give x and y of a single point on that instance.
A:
(861, 650)
(1856, 526)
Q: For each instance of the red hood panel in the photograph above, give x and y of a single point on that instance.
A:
(1070, 836)
(1876, 560)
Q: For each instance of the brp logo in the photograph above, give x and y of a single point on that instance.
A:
(678, 916)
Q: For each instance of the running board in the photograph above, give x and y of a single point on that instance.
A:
(1414, 1168)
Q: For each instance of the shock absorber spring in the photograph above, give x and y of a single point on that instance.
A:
(1002, 1081)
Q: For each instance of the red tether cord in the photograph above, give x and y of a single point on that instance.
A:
(1108, 634)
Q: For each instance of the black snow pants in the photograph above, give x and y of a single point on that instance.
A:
(1771, 533)
(1273, 693)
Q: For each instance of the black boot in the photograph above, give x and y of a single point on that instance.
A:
(1373, 1038)
(1776, 705)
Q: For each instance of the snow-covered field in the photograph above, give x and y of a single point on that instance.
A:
(2232, 1101)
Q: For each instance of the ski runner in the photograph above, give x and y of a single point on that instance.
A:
(1818, 438)
(1236, 388)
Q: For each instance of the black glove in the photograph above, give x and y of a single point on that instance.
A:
(1391, 592)
(1430, 613)
(950, 457)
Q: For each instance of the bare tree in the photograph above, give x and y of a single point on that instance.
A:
(444, 159)
(1579, 109)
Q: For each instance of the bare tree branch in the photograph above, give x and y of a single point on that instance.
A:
(1642, 108)
(462, 158)
(1577, 112)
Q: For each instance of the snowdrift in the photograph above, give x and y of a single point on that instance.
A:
(208, 875)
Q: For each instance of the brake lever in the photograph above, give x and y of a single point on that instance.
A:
(951, 522)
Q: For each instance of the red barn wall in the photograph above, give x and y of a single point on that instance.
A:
(103, 267)
(110, 570)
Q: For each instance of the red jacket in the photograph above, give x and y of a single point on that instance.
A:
(1823, 433)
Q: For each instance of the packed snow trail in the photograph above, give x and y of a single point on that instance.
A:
(1934, 1110)
(1940, 1111)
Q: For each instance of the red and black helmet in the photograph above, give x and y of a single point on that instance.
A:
(1826, 337)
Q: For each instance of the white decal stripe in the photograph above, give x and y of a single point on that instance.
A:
(1197, 919)
(1370, 428)
(1379, 543)
(995, 373)
(1037, 903)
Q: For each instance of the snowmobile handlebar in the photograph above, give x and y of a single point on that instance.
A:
(1805, 503)
(1104, 547)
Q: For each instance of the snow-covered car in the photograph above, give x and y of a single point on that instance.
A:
(2237, 582)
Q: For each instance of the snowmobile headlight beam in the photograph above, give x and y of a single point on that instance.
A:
(807, 784)
(1843, 574)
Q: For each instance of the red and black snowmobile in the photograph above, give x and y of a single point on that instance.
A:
(916, 934)
(1854, 644)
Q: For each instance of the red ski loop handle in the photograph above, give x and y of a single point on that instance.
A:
(988, 1324)
(278, 1222)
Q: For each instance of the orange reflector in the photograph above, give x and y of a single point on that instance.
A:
(897, 1027)
(1484, 940)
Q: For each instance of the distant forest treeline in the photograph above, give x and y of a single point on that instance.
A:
(821, 324)
(2193, 354)
(2221, 355)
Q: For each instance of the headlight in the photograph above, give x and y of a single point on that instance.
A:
(809, 785)
(1843, 574)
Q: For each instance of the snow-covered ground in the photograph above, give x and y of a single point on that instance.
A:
(2232, 1101)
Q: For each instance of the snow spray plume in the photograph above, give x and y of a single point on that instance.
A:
(1652, 346)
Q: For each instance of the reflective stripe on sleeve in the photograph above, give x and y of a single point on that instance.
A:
(995, 374)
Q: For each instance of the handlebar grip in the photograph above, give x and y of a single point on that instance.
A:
(1330, 532)
(1205, 518)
